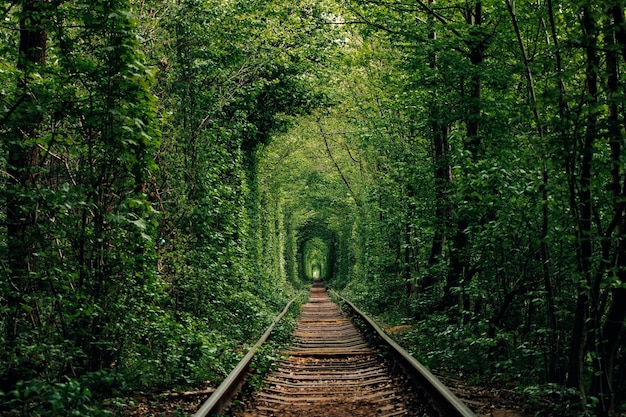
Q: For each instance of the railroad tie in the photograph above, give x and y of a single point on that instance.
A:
(330, 371)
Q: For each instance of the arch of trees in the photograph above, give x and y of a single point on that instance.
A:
(171, 172)
(316, 250)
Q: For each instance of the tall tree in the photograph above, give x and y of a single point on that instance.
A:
(22, 205)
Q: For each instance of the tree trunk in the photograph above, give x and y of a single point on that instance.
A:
(553, 374)
(443, 178)
(458, 263)
(585, 241)
(610, 335)
(476, 56)
(23, 155)
(22, 162)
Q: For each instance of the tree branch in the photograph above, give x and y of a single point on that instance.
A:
(330, 155)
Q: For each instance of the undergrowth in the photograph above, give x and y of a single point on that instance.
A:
(269, 354)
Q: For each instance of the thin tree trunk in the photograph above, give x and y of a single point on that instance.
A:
(334, 161)
(611, 332)
(443, 180)
(553, 355)
(23, 154)
(443, 176)
(459, 270)
(476, 56)
(22, 162)
(585, 198)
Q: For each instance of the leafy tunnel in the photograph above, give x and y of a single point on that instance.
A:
(316, 250)
(192, 165)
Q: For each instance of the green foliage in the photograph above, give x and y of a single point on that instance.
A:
(270, 353)
(315, 253)
(554, 399)
(171, 171)
(72, 397)
(141, 207)
(466, 195)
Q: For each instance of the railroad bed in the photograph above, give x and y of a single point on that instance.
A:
(330, 371)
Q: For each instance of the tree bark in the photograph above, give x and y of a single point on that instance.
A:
(459, 268)
(443, 176)
(443, 181)
(22, 162)
(554, 374)
(585, 198)
(23, 154)
(612, 328)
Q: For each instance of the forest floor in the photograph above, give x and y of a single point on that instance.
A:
(486, 401)
(484, 398)
(168, 404)
(489, 401)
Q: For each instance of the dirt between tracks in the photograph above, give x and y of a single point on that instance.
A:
(356, 409)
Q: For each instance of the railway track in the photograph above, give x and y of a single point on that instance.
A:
(331, 371)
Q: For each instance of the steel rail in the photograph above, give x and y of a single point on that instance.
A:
(445, 401)
(233, 382)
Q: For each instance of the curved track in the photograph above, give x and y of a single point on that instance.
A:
(330, 371)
